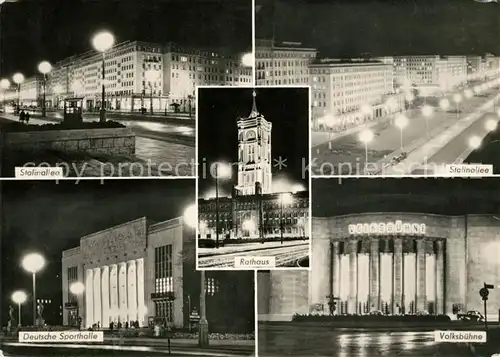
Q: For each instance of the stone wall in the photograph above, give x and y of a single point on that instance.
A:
(109, 141)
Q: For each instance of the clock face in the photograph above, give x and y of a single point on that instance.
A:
(250, 135)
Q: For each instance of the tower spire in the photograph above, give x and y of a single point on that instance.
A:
(254, 113)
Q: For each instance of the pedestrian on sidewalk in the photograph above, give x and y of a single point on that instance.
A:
(21, 116)
(27, 117)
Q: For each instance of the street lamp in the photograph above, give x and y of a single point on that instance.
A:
(77, 288)
(444, 104)
(366, 136)
(427, 112)
(329, 121)
(103, 41)
(457, 98)
(475, 142)
(19, 297)
(491, 125)
(44, 67)
(151, 76)
(33, 263)
(285, 199)
(222, 171)
(18, 79)
(191, 220)
(401, 122)
(4, 84)
(247, 59)
(468, 93)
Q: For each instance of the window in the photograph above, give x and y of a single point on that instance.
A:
(163, 269)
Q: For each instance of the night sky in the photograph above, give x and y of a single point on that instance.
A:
(36, 30)
(219, 109)
(49, 218)
(440, 196)
(349, 28)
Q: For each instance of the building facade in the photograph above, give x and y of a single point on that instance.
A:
(284, 63)
(131, 272)
(138, 74)
(344, 92)
(393, 263)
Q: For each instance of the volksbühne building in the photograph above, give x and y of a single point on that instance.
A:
(145, 272)
(253, 211)
(390, 262)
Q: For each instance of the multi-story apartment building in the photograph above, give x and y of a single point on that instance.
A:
(138, 73)
(30, 91)
(350, 90)
(285, 63)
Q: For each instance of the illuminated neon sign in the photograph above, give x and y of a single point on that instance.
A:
(397, 227)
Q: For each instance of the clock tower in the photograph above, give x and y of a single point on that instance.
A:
(254, 153)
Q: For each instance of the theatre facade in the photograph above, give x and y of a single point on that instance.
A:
(392, 263)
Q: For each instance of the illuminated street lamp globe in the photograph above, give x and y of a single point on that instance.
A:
(286, 198)
(103, 41)
(468, 94)
(249, 225)
(191, 216)
(457, 98)
(19, 297)
(491, 125)
(2, 1)
(222, 170)
(18, 78)
(366, 109)
(4, 84)
(444, 104)
(427, 111)
(33, 263)
(475, 142)
(77, 288)
(476, 89)
(44, 67)
(401, 121)
(247, 59)
(366, 136)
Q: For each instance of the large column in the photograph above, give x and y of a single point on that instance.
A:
(105, 296)
(97, 296)
(321, 263)
(352, 303)
(420, 276)
(398, 276)
(113, 293)
(141, 303)
(335, 269)
(374, 274)
(132, 291)
(89, 298)
(122, 291)
(440, 277)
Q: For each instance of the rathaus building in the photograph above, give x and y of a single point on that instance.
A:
(254, 211)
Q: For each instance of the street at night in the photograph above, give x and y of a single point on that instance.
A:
(294, 340)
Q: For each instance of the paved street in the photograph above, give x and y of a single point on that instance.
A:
(168, 146)
(287, 340)
(286, 254)
(348, 153)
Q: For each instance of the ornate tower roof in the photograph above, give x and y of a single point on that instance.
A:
(254, 113)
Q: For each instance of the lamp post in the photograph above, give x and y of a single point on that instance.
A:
(4, 84)
(18, 79)
(222, 171)
(457, 98)
(33, 263)
(285, 199)
(401, 122)
(366, 136)
(77, 289)
(19, 297)
(102, 42)
(427, 112)
(44, 67)
(151, 76)
(191, 220)
(329, 121)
